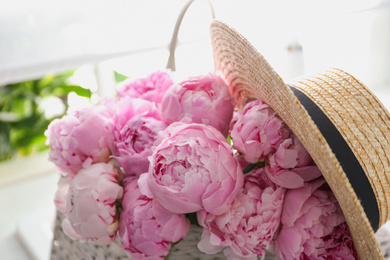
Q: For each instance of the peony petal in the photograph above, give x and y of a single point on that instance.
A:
(205, 245)
(286, 179)
(144, 187)
(308, 173)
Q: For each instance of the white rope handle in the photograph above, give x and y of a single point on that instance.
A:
(171, 64)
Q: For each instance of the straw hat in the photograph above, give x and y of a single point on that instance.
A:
(341, 123)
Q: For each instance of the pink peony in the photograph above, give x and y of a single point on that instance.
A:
(91, 208)
(136, 125)
(339, 244)
(204, 100)
(291, 165)
(192, 169)
(246, 230)
(313, 225)
(80, 139)
(257, 131)
(60, 197)
(151, 88)
(146, 230)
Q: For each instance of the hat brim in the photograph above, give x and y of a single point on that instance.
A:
(251, 77)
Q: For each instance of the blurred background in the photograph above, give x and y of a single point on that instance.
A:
(57, 55)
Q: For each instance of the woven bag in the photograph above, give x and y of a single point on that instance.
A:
(65, 248)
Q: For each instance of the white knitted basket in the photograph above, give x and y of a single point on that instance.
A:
(63, 247)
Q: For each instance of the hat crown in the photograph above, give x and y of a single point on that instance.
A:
(363, 122)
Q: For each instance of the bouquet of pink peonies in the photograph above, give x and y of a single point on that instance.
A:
(164, 155)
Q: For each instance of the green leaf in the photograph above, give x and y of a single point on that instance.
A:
(83, 92)
(229, 139)
(119, 77)
(192, 217)
(6, 149)
(61, 91)
(249, 168)
(252, 166)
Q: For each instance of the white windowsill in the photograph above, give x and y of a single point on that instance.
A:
(23, 168)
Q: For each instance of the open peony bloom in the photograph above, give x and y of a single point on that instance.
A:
(146, 230)
(151, 88)
(193, 169)
(313, 225)
(91, 207)
(291, 165)
(257, 131)
(249, 226)
(80, 139)
(204, 100)
(136, 125)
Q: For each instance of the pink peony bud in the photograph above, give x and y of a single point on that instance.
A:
(80, 139)
(146, 230)
(313, 225)
(136, 125)
(204, 100)
(192, 169)
(151, 88)
(249, 226)
(257, 131)
(91, 208)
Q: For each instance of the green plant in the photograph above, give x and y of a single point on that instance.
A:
(22, 121)
(119, 77)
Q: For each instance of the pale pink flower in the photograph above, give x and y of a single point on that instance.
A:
(60, 197)
(339, 244)
(91, 207)
(204, 100)
(192, 169)
(313, 225)
(257, 131)
(80, 139)
(136, 126)
(70, 232)
(146, 230)
(151, 88)
(248, 227)
(291, 165)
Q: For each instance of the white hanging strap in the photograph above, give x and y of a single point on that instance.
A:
(172, 46)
